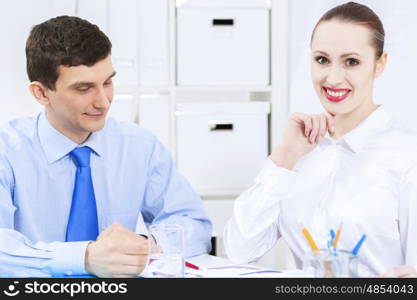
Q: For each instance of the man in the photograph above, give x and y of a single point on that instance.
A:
(72, 185)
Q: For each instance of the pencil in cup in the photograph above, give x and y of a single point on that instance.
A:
(310, 240)
(337, 237)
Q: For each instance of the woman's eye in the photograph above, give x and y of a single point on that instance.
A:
(352, 62)
(321, 60)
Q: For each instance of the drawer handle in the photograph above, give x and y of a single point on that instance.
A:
(223, 22)
(220, 126)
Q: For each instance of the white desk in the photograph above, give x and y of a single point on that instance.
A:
(215, 266)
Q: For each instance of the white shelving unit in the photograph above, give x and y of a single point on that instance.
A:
(144, 36)
(276, 93)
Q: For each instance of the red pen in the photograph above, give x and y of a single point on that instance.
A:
(190, 265)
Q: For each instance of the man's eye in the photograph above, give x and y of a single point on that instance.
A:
(108, 82)
(83, 89)
(321, 60)
(352, 62)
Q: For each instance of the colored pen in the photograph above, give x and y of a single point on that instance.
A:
(332, 235)
(192, 266)
(310, 240)
(336, 239)
(332, 250)
(358, 245)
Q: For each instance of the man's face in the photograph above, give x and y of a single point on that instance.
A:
(81, 99)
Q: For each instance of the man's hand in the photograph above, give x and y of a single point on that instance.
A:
(118, 252)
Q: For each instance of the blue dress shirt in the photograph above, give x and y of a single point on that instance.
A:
(132, 174)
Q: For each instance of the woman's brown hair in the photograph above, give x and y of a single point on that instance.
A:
(358, 14)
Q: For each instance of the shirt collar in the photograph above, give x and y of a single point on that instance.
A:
(96, 142)
(378, 121)
(56, 145)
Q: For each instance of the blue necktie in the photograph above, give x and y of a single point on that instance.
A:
(82, 222)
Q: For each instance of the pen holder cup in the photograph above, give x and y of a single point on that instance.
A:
(326, 264)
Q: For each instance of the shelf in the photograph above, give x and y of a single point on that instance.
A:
(124, 90)
(166, 89)
(223, 88)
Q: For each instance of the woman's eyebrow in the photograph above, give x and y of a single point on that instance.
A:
(350, 54)
(342, 56)
(321, 52)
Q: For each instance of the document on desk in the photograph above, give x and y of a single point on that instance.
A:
(233, 271)
(140, 226)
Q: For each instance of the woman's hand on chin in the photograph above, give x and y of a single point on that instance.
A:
(301, 136)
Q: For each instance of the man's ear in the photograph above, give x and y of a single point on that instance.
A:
(39, 91)
(380, 64)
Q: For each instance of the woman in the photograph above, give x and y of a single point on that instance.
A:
(352, 165)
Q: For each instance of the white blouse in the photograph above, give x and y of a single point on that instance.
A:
(367, 179)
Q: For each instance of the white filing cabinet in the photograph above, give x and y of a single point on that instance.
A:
(221, 146)
(150, 111)
(138, 30)
(223, 46)
(124, 108)
(219, 212)
(155, 115)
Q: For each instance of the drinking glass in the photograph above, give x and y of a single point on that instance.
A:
(166, 251)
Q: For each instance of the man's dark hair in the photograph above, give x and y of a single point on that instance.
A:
(66, 41)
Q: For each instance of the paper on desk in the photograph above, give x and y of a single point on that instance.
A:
(140, 226)
(233, 271)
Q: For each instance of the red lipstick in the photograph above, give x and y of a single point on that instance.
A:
(336, 95)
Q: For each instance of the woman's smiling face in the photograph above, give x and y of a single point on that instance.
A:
(344, 66)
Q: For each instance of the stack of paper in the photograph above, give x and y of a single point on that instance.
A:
(238, 271)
